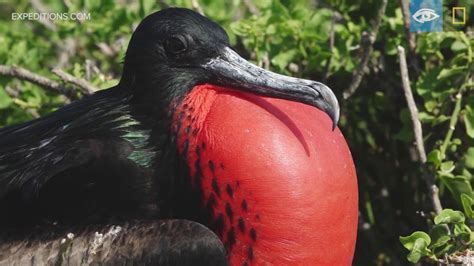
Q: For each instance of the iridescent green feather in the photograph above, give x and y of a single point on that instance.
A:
(142, 155)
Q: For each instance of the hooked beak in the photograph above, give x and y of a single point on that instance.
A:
(232, 70)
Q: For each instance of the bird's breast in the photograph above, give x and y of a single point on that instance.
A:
(279, 185)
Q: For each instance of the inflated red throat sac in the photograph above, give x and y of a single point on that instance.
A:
(279, 182)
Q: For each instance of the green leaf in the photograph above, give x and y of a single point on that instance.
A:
(279, 9)
(449, 72)
(458, 46)
(457, 185)
(467, 203)
(469, 158)
(263, 4)
(5, 100)
(469, 121)
(283, 58)
(417, 243)
(439, 235)
(419, 250)
(409, 241)
(449, 216)
(445, 249)
(435, 157)
(462, 229)
(447, 167)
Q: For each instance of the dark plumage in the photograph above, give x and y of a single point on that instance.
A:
(167, 242)
(99, 153)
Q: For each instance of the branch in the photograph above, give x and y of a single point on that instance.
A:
(452, 124)
(404, 4)
(411, 105)
(197, 7)
(41, 8)
(252, 8)
(163, 4)
(265, 61)
(335, 12)
(46, 83)
(14, 93)
(331, 46)
(430, 181)
(85, 87)
(368, 39)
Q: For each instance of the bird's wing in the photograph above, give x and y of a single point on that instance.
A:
(34, 152)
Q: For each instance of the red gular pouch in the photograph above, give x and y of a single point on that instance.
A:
(279, 182)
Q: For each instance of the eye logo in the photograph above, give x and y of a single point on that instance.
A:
(425, 15)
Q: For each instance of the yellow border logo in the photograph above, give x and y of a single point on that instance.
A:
(455, 22)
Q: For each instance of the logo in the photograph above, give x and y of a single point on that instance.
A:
(459, 15)
(424, 15)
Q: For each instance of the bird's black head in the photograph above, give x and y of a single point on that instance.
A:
(175, 49)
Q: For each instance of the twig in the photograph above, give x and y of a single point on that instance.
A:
(67, 4)
(162, 4)
(404, 4)
(39, 6)
(430, 181)
(334, 10)
(357, 76)
(368, 39)
(251, 7)
(265, 61)
(434, 190)
(331, 46)
(14, 93)
(107, 49)
(452, 125)
(454, 116)
(197, 7)
(65, 50)
(411, 105)
(84, 86)
(24, 74)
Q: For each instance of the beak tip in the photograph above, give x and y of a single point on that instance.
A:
(331, 105)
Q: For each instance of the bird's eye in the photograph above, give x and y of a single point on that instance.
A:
(176, 44)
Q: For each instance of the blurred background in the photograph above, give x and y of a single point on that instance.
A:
(425, 196)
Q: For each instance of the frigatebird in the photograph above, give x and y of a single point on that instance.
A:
(193, 131)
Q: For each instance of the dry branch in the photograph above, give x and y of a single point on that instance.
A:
(251, 7)
(368, 39)
(162, 4)
(332, 34)
(84, 86)
(46, 83)
(420, 148)
(411, 37)
(404, 4)
(41, 8)
(411, 105)
(197, 7)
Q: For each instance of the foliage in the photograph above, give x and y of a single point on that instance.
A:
(293, 37)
